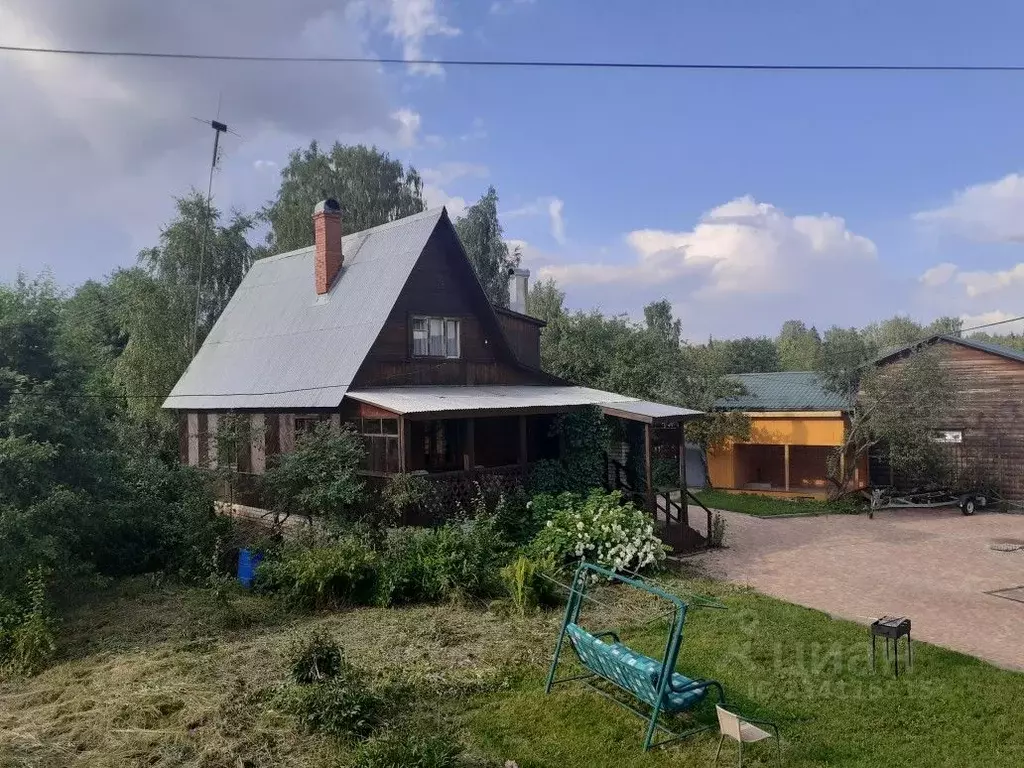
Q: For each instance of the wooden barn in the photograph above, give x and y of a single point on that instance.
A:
(983, 428)
(390, 331)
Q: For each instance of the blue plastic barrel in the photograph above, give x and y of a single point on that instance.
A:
(247, 562)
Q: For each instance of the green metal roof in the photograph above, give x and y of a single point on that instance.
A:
(785, 391)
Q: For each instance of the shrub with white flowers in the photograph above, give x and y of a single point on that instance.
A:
(598, 528)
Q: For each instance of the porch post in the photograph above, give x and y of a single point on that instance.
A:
(648, 469)
(403, 445)
(469, 456)
(842, 469)
(684, 501)
(786, 447)
(522, 441)
(682, 457)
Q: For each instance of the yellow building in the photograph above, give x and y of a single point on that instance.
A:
(796, 425)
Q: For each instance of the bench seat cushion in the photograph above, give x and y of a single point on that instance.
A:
(632, 671)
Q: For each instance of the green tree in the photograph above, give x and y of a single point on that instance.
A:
(482, 237)
(660, 321)
(750, 354)
(546, 301)
(319, 479)
(798, 346)
(895, 406)
(371, 187)
(157, 300)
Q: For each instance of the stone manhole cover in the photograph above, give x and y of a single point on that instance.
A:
(1007, 545)
(1013, 593)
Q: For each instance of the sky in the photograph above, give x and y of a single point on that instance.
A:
(745, 198)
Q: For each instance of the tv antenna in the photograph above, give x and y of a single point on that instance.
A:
(218, 129)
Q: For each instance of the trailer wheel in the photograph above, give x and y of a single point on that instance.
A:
(968, 505)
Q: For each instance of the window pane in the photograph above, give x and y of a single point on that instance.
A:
(436, 337)
(452, 338)
(371, 426)
(389, 426)
(419, 336)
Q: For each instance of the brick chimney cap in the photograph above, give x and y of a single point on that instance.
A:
(330, 205)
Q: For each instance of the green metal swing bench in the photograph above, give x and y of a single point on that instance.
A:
(653, 682)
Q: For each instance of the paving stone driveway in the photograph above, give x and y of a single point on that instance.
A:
(934, 566)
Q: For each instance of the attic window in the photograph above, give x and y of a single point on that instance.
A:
(948, 436)
(435, 337)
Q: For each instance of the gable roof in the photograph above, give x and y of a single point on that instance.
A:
(785, 391)
(981, 346)
(280, 345)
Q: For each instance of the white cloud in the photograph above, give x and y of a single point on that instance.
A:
(445, 173)
(741, 247)
(979, 283)
(115, 135)
(938, 275)
(507, 6)
(995, 316)
(988, 212)
(413, 21)
(555, 207)
(549, 206)
(530, 255)
(264, 165)
(435, 196)
(408, 126)
(477, 131)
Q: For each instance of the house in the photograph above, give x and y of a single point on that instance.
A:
(390, 331)
(983, 427)
(796, 424)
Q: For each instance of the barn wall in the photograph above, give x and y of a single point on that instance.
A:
(988, 406)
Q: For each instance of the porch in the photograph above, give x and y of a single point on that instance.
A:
(471, 433)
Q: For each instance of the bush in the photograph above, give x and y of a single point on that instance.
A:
(431, 565)
(27, 636)
(319, 479)
(315, 658)
(515, 518)
(328, 694)
(410, 750)
(343, 573)
(403, 493)
(598, 528)
(530, 583)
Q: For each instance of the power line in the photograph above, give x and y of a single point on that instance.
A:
(522, 63)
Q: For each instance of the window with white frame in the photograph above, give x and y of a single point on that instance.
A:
(435, 337)
(948, 436)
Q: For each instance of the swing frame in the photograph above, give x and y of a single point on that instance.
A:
(661, 686)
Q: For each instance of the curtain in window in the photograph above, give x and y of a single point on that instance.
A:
(451, 338)
(436, 337)
(419, 336)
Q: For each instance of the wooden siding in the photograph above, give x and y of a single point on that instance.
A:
(442, 285)
(988, 405)
(523, 337)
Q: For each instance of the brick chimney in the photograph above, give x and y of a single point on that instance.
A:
(327, 235)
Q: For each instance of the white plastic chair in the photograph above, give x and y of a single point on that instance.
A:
(744, 730)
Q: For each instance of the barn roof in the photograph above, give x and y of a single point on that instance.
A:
(981, 346)
(280, 345)
(785, 391)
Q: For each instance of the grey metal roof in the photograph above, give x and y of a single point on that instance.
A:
(785, 391)
(452, 399)
(279, 345)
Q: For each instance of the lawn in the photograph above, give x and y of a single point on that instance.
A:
(151, 676)
(769, 506)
